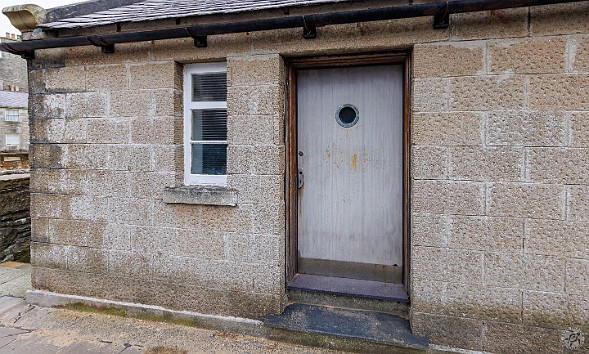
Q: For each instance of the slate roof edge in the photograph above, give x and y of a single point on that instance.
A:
(84, 8)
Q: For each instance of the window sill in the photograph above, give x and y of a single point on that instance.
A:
(200, 195)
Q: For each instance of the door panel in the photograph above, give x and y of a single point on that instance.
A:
(350, 218)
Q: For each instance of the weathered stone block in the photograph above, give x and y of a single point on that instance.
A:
(505, 270)
(76, 232)
(225, 219)
(447, 265)
(254, 70)
(258, 160)
(485, 233)
(48, 256)
(177, 215)
(487, 92)
(578, 203)
(486, 164)
(256, 249)
(117, 237)
(558, 165)
(440, 197)
(273, 216)
(152, 75)
(484, 302)
(129, 157)
(444, 330)
(49, 206)
(107, 131)
(453, 59)
(255, 130)
(85, 156)
(85, 259)
(86, 104)
(47, 106)
(194, 244)
(538, 201)
(579, 53)
(258, 100)
(529, 55)
(66, 79)
(579, 308)
(577, 276)
(430, 95)
(523, 128)
(544, 273)
(444, 129)
(39, 229)
(429, 162)
(503, 337)
(51, 156)
(105, 183)
(557, 238)
(429, 230)
(88, 208)
(542, 309)
(489, 24)
(559, 19)
(158, 130)
(569, 92)
(150, 184)
(131, 211)
(579, 129)
(107, 78)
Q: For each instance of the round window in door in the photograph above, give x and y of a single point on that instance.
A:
(347, 115)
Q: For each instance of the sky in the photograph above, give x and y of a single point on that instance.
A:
(5, 25)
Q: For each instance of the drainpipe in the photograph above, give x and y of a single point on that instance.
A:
(440, 10)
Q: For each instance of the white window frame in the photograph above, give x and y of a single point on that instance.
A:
(12, 134)
(7, 110)
(189, 105)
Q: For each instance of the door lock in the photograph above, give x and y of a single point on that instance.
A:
(300, 178)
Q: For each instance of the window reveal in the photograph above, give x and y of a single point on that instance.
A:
(205, 124)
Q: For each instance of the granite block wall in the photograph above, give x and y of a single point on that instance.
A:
(499, 160)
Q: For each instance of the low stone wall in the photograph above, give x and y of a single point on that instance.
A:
(15, 219)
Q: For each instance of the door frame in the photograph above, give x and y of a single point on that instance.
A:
(291, 171)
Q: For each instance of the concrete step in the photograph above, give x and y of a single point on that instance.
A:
(345, 329)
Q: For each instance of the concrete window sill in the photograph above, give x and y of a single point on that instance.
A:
(200, 195)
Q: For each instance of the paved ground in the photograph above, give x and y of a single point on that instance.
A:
(30, 330)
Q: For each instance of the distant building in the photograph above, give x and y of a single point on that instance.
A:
(14, 120)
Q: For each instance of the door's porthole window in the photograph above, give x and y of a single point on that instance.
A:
(347, 115)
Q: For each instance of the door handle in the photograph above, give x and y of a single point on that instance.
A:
(300, 178)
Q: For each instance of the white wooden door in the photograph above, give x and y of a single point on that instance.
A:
(350, 142)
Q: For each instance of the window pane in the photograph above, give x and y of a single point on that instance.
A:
(11, 115)
(12, 139)
(209, 124)
(210, 159)
(209, 87)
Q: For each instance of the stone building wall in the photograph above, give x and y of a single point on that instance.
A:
(499, 194)
(13, 70)
(15, 220)
(500, 189)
